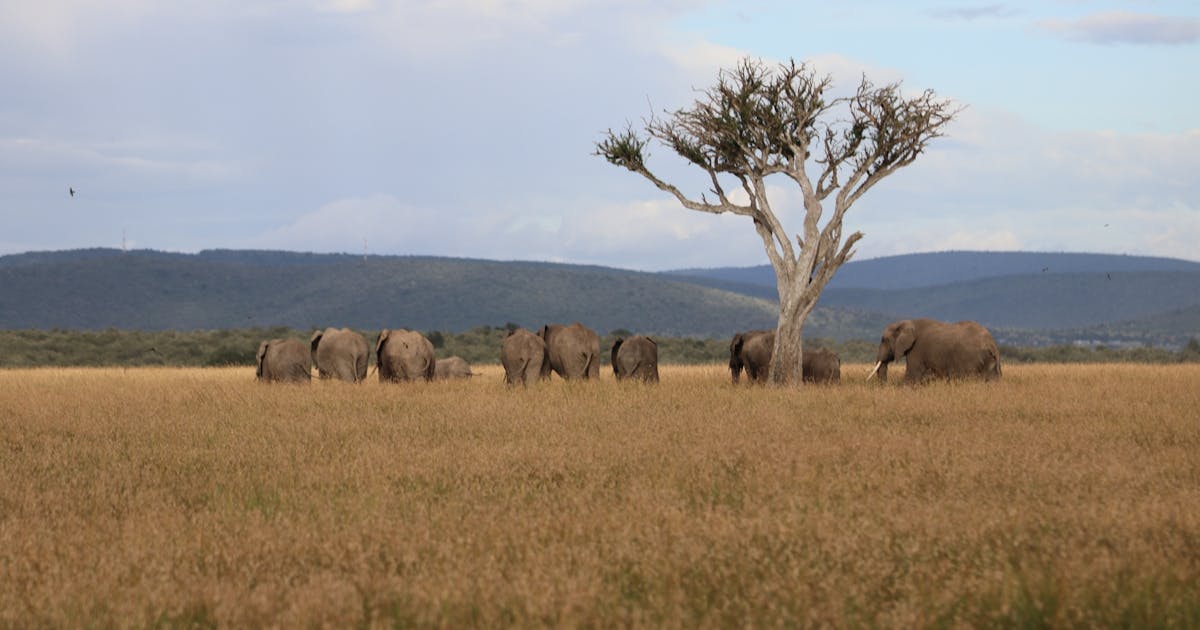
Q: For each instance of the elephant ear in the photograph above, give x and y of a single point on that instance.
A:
(383, 335)
(313, 342)
(735, 351)
(652, 342)
(906, 336)
(262, 352)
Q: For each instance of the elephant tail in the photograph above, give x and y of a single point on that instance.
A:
(642, 369)
(588, 365)
(522, 369)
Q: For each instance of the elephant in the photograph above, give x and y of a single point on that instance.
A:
(752, 351)
(403, 355)
(821, 366)
(524, 357)
(340, 353)
(284, 360)
(934, 349)
(574, 350)
(452, 368)
(635, 357)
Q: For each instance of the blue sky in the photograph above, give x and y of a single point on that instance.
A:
(466, 127)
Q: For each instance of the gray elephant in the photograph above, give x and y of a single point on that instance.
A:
(403, 355)
(636, 358)
(340, 353)
(752, 351)
(934, 349)
(822, 366)
(452, 368)
(284, 360)
(523, 355)
(574, 350)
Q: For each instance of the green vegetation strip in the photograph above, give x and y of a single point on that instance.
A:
(128, 348)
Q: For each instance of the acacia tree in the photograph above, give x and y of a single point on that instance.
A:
(760, 121)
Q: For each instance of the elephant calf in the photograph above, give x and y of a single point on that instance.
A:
(283, 360)
(452, 368)
(636, 358)
(523, 355)
(822, 366)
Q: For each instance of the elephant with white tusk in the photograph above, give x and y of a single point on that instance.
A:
(934, 349)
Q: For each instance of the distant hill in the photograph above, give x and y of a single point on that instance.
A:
(937, 268)
(1032, 297)
(148, 290)
(1132, 300)
(1043, 301)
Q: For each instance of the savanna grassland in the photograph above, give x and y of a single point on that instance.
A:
(1061, 496)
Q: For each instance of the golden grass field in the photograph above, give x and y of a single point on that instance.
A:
(1061, 496)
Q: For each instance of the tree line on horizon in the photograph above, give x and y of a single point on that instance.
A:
(480, 345)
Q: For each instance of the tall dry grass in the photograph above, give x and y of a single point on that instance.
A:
(1061, 496)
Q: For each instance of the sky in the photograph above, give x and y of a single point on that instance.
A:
(467, 128)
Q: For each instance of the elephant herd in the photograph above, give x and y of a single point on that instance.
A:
(573, 352)
(341, 353)
(931, 349)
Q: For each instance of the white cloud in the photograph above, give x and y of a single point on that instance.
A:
(346, 6)
(700, 60)
(1037, 189)
(973, 13)
(654, 234)
(383, 221)
(848, 72)
(1122, 27)
(1001, 240)
(153, 168)
(464, 127)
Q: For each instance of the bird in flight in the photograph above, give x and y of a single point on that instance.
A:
(72, 191)
(1045, 269)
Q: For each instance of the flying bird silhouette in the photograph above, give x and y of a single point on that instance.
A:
(1045, 269)
(72, 191)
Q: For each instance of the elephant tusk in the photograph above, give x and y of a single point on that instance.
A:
(873, 372)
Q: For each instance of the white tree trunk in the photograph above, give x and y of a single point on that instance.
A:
(787, 358)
